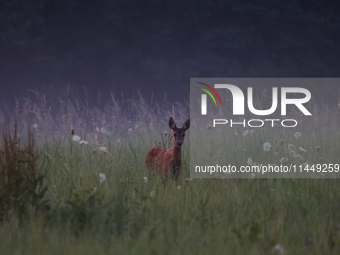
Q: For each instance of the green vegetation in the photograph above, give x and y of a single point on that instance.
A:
(101, 199)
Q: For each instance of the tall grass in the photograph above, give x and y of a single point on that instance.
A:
(20, 182)
(130, 212)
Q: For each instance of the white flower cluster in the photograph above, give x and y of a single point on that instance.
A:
(266, 146)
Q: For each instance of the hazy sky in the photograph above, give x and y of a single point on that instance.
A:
(61, 47)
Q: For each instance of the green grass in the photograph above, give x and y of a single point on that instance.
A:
(124, 214)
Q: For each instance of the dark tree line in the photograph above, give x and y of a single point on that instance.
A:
(152, 45)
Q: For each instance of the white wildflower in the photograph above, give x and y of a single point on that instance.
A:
(97, 129)
(103, 130)
(251, 132)
(102, 177)
(302, 149)
(279, 249)
(292, 153)
(266, 146)
(118, 140)
(290, 146)
(246, 132)
(103, 148)
(83, 142)
(145, 179)
(297, 135)
(179, 187)
(298, 156)
(76, 138)
(283, 160)
(236, 133)
(249, 161)
(35, 125)
(153, 193)
(130, 129)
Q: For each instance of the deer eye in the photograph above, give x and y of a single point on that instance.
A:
(183, 135)
(174, 135)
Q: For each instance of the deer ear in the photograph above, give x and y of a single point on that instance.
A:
(186, 125)
(172, 124)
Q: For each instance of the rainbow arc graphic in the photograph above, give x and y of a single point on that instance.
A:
(204, 97)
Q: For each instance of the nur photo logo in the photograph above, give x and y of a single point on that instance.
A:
(204, 97)
(280, 101)
(264, 128)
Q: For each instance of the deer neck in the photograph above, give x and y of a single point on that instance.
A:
(177, 154)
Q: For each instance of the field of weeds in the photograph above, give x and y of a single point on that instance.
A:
(75, 182)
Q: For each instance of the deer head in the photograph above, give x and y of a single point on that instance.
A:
(179, 133)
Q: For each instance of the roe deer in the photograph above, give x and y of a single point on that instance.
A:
(162, 160)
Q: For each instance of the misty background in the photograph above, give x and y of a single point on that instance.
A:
(94, 48)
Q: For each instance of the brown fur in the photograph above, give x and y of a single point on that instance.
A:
(164, 161)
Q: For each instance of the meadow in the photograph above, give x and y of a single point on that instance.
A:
(81, 186)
